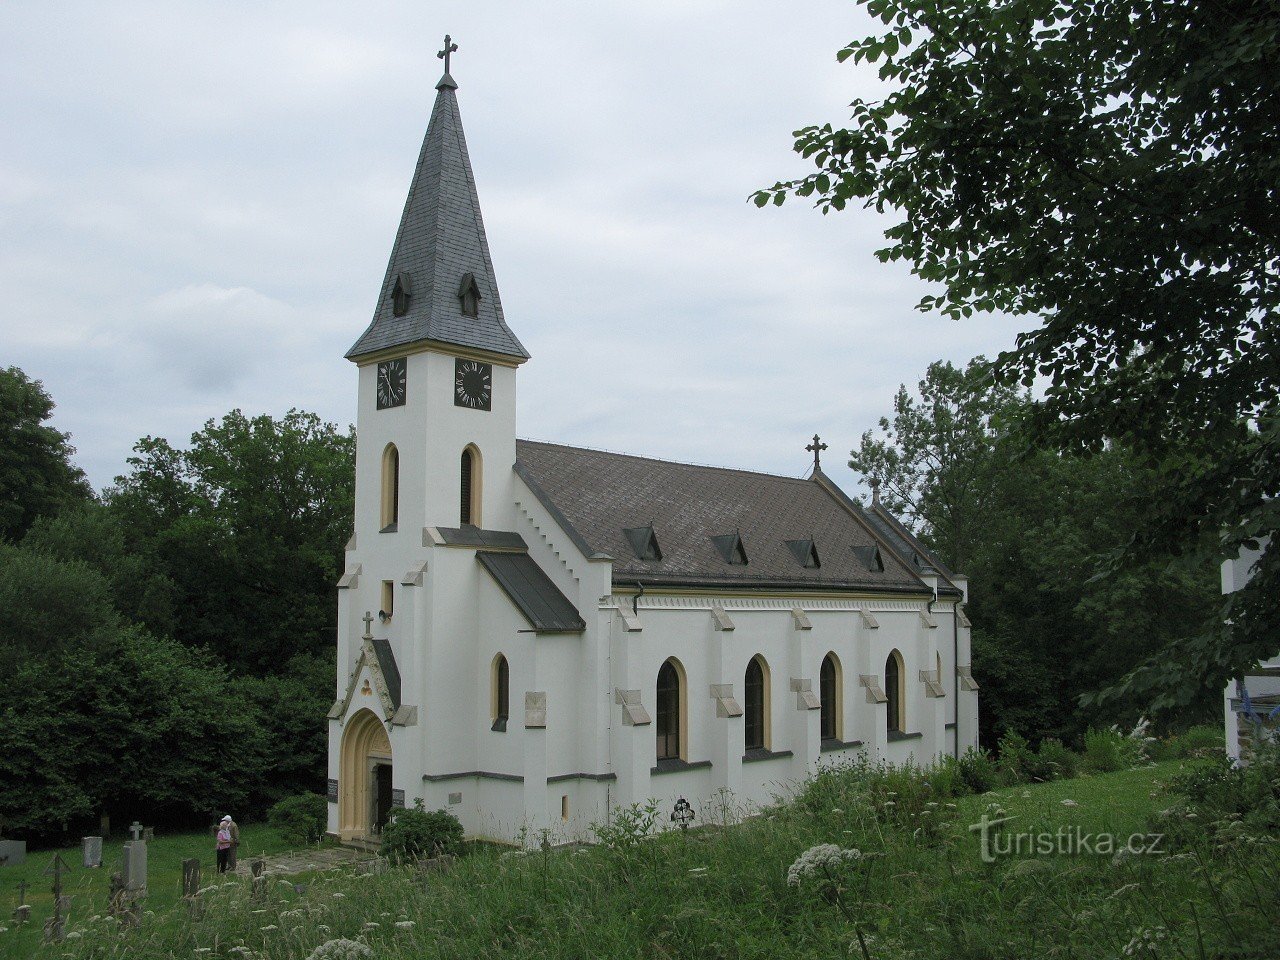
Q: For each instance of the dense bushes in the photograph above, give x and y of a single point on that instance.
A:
(299, 819)
(416, 833)
(1227, 800)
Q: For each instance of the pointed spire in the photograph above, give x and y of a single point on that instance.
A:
(440, 283)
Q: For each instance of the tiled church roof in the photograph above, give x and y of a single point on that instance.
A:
(607, 500)
(441, 239)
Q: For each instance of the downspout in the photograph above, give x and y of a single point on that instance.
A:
(955, 676)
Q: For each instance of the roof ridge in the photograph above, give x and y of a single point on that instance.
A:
(678, 463)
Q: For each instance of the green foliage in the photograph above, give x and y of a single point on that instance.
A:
(1199, 741)
(131, 722)
(1225, 799)
(723, 892)
(1134, 218)
(1059, 762)
(418, 832)
(1108, 750)
(1034, 531)
(290, 705)
(629, 826)
(256, 509)
(37, 477)
(977, 770)
(300, 819)
(1018, 763)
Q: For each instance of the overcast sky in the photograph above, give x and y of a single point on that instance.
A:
(197, 202)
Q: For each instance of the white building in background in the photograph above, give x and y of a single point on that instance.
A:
(532, 636)
(1249, 702)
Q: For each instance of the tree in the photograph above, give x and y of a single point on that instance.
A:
(1110, 168)
(1033, 529)
(249, 523)
(37, 477)
(935, 455)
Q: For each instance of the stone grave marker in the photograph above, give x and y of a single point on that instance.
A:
(136, 828)
(56, 925)
(135, 866)
(91, 848)
(148, 834)
(22, 913)
(191, 877)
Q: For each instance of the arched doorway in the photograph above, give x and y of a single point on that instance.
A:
(364, 780)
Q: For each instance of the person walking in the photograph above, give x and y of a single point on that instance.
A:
(224, 844)
(234, 830)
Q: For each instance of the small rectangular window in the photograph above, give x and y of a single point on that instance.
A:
(564, 806)
(388, 599)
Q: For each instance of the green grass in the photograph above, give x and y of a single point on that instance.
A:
(922, 891)
(88, 887)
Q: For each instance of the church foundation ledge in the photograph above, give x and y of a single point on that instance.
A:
(476, 774)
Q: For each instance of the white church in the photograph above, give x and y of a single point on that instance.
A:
(533, 636)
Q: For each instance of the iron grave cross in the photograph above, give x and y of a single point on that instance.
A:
(449, 47)
(816, 449)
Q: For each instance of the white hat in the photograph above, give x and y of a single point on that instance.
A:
(226, 818)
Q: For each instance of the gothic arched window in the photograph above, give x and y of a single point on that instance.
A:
(756, 705)
(893, 691)
(829, 692)
(500, 692)
(668, 709)
(469, 487)
(390, 488)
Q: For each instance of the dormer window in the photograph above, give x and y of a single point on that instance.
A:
(870, 557)
(401, 292)
(730, 548)
(469, 295)
(644, 542)
(805, 552)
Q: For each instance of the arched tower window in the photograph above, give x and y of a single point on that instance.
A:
(669, 708)
(390, 488)
(756, 705)
(830, 692)
(499, 692)
(470, 485)
(894, 672)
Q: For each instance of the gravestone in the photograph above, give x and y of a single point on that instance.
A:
(13, 852)
(56, 925)
(135, 829)
(22, 913)
(91, 847)
(191, 877)
(148, 834)
(135, 866)
(258, 866)
(104, 825)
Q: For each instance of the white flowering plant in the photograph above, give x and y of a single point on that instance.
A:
(827, 869)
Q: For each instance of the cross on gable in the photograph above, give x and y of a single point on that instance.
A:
(816, 449)
(449, 48)
(368, 625)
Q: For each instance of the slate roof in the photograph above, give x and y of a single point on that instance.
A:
(905, 541)
(390, 670)
(441, 239)
(543, 605)
(597, 495)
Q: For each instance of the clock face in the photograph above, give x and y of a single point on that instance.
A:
(472, 384)
(391, 383)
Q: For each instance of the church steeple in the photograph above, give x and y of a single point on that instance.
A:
(440, 284)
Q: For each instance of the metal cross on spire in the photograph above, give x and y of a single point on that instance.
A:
(368, 625)
(449, 48)
(816, 449)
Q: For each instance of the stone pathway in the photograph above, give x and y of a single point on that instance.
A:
(303, 861)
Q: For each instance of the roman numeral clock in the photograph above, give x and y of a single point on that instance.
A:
(472, 384)
(391, 383)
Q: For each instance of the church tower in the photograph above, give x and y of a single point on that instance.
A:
(435, 429)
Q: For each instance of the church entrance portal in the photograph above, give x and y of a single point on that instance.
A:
(364, 778)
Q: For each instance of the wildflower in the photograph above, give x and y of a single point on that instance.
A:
(404, 924)
(342, 950)
(73, 935)
(372, 925)
(268, 928)
(820, 859)
(697, 870)
(1070, 803)
(836, 810)
(339, 896)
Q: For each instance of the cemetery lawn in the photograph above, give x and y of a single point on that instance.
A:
(918, 889)
(88, 888)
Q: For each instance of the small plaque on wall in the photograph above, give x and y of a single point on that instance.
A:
(397, 798)
(333, 791)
